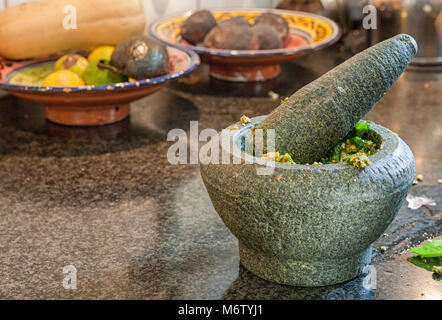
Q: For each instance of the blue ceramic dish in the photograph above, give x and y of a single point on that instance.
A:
(91, 105)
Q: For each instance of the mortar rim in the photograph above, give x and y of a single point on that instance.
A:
(389, 138)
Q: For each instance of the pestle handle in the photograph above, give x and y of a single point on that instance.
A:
(319, 115)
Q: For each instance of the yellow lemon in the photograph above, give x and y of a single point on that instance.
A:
(63, 78)
(101, 53)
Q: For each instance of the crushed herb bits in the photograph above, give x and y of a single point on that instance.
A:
(356, 149)
(245, 120)
(275, 156)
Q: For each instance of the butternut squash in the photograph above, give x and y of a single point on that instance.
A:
(39, 28)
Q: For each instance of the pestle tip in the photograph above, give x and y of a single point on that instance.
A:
(409, 41)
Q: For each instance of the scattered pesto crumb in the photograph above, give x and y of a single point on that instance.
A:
(235, 127)
(273, 95)
(244, 119)
(420, 177)
(383, 249)
(437, 270)
(284, 100)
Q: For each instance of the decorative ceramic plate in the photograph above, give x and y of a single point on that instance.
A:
(89, 105)
(308, 32)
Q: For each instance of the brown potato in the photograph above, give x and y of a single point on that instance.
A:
(268, 37)
(233, 37)
(276, 21)
(197, 26)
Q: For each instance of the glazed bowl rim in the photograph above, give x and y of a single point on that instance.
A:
(334, 37)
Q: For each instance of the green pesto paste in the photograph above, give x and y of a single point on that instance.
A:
(354, 149)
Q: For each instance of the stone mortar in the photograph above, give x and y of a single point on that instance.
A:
(308, 225)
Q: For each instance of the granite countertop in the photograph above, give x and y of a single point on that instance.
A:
(107, 201)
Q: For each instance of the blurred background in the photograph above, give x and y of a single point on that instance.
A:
(156, 8)
(420, 18)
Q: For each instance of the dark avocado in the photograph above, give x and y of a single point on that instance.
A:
(141, 57)
(197, 26)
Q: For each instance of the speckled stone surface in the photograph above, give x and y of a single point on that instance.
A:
(135, 227)
(318, 116)
(309, 225)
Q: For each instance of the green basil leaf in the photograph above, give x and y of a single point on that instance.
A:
(429, 249)
(361, 128)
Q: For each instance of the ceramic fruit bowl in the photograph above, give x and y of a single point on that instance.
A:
(309, 225)
(90, 105)
(308, 32)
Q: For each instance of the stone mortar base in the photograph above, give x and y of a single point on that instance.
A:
(302, 273)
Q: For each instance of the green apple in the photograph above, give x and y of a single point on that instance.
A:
(96, 74)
